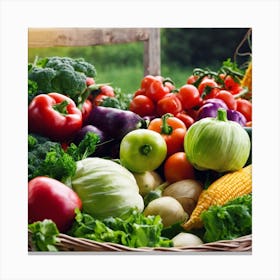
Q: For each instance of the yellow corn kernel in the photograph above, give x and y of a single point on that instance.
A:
(226, 188)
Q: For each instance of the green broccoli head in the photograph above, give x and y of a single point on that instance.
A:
(69, 82)
(78, 64)
(43, 77)
(64, 75)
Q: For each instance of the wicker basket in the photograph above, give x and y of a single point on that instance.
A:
(69, 243)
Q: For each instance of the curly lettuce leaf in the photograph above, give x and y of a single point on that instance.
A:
(229, 221)
(44, 235)
(134, 231)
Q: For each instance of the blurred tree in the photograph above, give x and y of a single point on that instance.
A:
(201, 47)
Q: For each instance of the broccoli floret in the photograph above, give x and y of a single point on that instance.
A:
(78, 64)
(68, 81)
(43, 77)
(63, 75)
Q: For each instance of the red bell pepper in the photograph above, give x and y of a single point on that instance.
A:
(172, 130)
(51, 199)
(55, 116)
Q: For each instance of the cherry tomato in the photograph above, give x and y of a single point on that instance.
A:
(189, 96)
(147, 80)
(142, 105)
(177, 168)
(245, 107)
(90, 81)
(50, 199)
(99, 99)
(208, 88)
(139, 91)
(228, 98)
(157, 90)
(231, 85)
(169, 85)
(193, 112)
(142, 150)
(170, 103)
(107, 90)
(185, 118)
(191, 79)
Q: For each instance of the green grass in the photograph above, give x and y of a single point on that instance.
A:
(119, 65)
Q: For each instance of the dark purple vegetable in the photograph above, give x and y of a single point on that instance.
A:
(89, 128)
(236, 116)
(116, 123)
(217, 101)
(210, 108)
(102, 144)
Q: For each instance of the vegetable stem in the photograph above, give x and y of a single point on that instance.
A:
(61, 107)
(222, 115)
(145, 149)
(165, 128)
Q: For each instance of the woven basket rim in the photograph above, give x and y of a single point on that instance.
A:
(74, 244)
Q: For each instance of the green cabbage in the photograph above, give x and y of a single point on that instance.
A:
(106, 188)
(217, 144)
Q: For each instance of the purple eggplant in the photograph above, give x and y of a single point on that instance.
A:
(103, 139)
(210, 108)
(216, 101)
(116, 123)
(89, 128)
(236, 116)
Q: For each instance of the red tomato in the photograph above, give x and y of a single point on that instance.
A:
(245, 107)
(169, 85)
(177, 168)
(147, 80)
(191, 79)
(157, 90)
(142, 105)
(185, 118)
(99, 99)
(139, 91)
(107, 90)
(189, 96)
(208, 88)
(170, 103)
(228, 98)
(50, 199)
(86, 109)
(231, 85)
(90, 81)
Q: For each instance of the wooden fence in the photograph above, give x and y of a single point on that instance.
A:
(62, 37)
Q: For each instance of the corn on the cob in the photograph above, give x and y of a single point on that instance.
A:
(246, 82)
(226, 188)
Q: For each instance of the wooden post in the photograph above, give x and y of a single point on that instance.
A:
(152, 60)
(66, 37)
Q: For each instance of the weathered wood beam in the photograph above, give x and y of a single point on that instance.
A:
(75, 37)
(59, 37)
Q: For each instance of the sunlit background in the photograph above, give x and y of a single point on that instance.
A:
(182, 50)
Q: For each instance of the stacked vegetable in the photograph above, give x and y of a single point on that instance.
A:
(164, 166)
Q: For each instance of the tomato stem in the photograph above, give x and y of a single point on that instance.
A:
(165, 128)
(145, 149)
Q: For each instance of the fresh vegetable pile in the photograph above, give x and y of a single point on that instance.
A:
(165, 166)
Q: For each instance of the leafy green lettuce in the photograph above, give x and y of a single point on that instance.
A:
(229, 221)
(47, 158)
(44, 235)
(134, 231)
